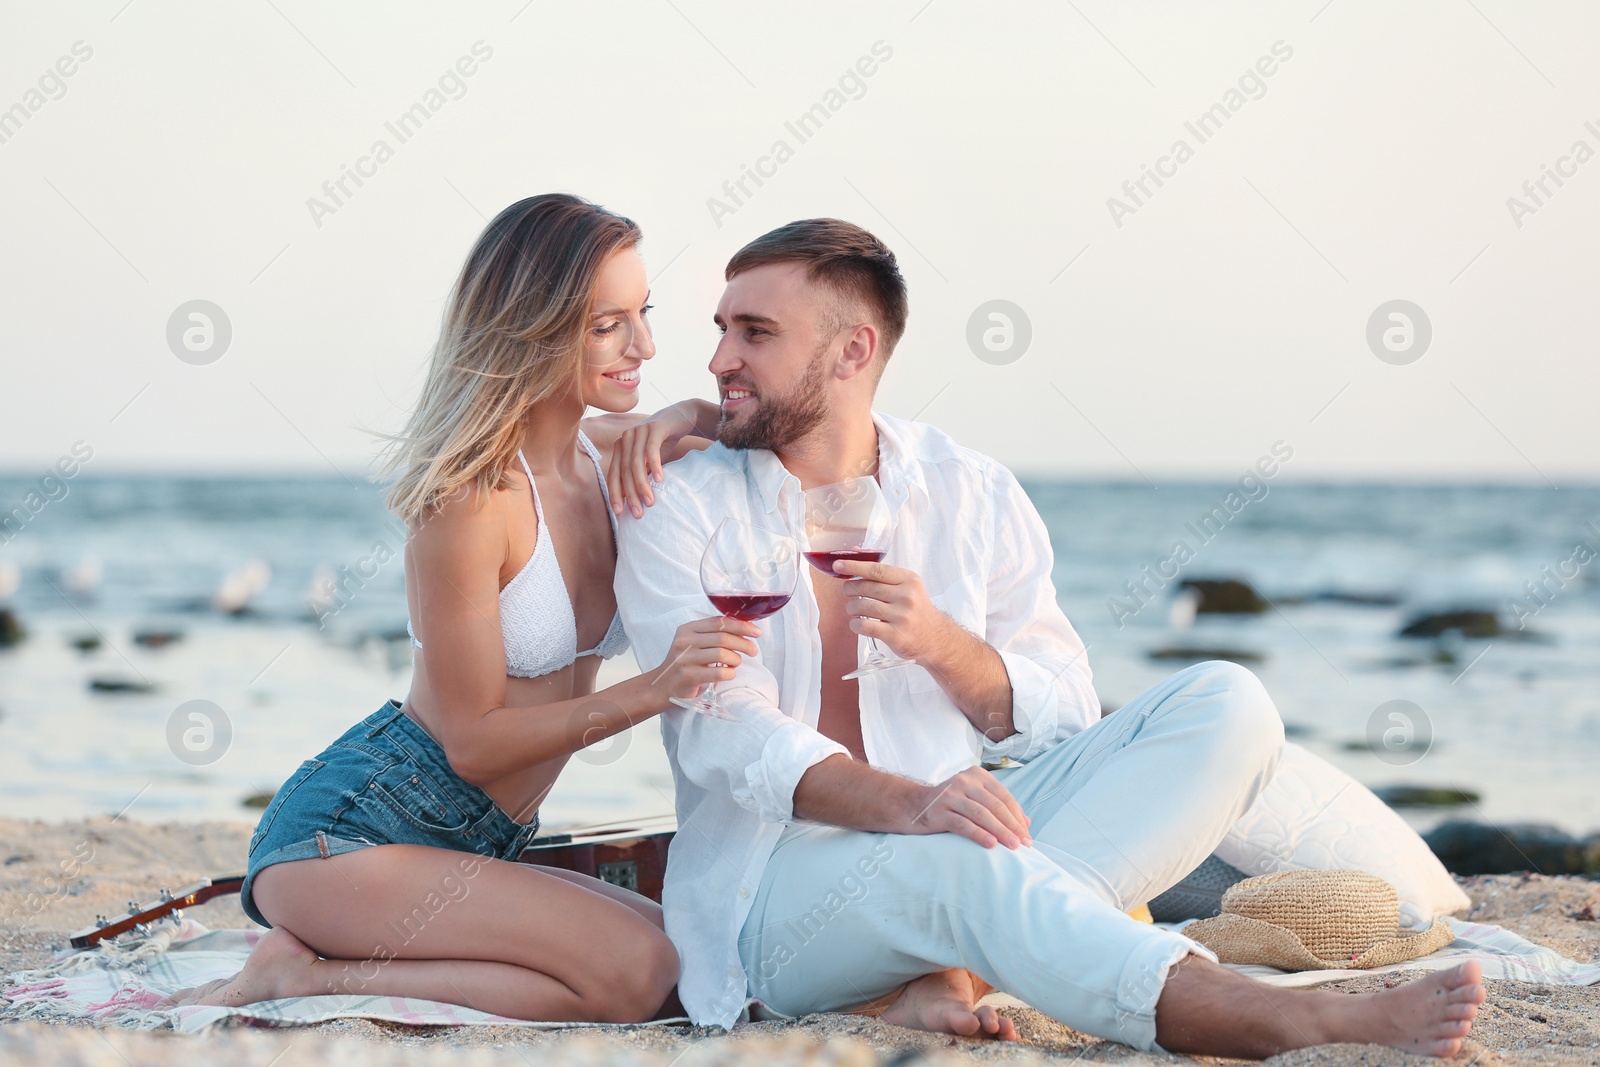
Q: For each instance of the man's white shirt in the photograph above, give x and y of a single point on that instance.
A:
(966, 527)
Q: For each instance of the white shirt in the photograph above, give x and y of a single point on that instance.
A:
(966, 527)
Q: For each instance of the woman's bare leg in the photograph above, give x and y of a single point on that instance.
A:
(649, 910)
(1209, 1010)
(412, 921)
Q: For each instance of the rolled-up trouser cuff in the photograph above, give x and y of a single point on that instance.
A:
(1143, 978)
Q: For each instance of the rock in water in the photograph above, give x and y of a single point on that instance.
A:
(11, 629)
(1355, 598)
(1225, 596)
(1425, 796)
(1198, 655)
(1479, 848)
(120, 685)
(1468, 623)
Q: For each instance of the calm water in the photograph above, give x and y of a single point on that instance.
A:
(1516, 720)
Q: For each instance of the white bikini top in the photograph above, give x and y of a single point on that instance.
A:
(536, 615)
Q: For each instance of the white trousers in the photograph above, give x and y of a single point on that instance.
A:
(1119, 813)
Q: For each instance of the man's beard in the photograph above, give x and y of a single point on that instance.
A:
(778, 422)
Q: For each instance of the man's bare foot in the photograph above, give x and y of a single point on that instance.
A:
(1428, 1017)
(279, 966)
(946, 1002)
(1207, 1009)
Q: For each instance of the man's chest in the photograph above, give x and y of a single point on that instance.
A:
(839, 714)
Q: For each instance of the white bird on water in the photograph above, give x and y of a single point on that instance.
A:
(84, 579)
(233, 596)
(323, 592)
(1180, 615)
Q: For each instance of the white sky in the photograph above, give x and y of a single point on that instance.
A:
(1225, 314)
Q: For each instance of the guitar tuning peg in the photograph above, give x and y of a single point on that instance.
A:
(133, 907)
(143, 929)
(101, 922)
(166, 895)
(177, 915)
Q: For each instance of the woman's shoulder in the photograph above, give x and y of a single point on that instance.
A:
(603, 431)
(473, 513)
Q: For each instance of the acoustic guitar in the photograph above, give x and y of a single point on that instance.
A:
(141, 917)
(628, 854)
(632, 855)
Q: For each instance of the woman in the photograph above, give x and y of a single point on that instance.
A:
(384, 865)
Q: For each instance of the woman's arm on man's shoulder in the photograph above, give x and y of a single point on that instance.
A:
(635, 449)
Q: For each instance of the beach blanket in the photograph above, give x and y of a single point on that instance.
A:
(122, 984)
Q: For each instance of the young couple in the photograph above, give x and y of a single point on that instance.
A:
(840, 844)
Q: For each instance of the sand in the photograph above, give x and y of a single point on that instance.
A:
(55, 877)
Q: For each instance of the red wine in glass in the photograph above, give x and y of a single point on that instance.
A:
(824, 560)
(748, 607)
(747, 573)
(851, 520)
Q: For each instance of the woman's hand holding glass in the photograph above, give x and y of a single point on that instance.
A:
(747, 572)
(703, 653)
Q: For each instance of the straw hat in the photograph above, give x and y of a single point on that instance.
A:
(1313, 921)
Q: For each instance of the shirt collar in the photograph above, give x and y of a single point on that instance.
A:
(899, 470)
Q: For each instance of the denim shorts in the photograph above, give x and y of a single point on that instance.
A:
(384, 782)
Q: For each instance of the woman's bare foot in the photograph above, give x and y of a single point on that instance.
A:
(279, 966)
(1428, 1017)
(946, 1002)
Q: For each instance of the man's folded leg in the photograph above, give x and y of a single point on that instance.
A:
(844, 917)
(1138, 800)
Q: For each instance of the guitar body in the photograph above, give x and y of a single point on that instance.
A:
(632, 855)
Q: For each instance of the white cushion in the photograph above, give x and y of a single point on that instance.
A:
(1313, 816)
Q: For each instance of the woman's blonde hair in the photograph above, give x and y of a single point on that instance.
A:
(512, 336)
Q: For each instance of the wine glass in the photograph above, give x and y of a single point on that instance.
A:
(851, 520)
(747, 573)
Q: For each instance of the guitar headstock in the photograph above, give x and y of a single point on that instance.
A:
(166, 905)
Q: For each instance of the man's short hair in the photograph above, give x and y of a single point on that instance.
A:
(841, 256)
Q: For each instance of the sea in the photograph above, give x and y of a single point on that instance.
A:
(189, 640)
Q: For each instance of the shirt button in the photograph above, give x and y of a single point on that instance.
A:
(744, 892)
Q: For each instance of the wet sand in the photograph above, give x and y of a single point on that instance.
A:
(56, 876)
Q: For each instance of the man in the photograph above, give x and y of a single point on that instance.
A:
(840, 841)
